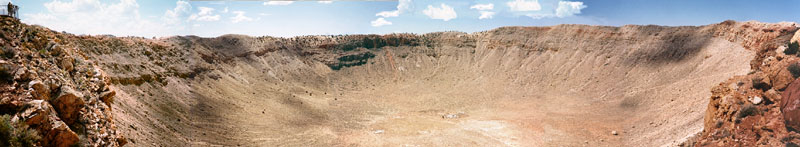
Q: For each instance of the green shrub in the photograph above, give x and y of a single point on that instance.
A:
(792, 48)
(16, 135)
(794, 69)
(352, 60)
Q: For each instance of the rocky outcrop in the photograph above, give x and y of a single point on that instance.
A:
(749, 110)
(49, 85)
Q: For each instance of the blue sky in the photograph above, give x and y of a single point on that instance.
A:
(150, 18)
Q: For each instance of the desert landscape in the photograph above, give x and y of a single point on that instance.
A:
(720, 84)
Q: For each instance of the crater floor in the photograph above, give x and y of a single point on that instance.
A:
(565, 85)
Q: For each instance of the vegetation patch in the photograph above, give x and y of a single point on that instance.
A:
(16, 134)
(352, 60)
(794, 69)
(792, 48)
(747, 110)
(376, 42)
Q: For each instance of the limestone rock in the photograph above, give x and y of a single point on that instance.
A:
(68, 103)
(37, 112)
(755, 100)
(40, 90)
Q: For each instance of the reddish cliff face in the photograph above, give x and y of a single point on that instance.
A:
(570, 85)
(746, 110)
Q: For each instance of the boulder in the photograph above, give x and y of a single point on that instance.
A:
(68, 104)
(60, 135)
(790, 105)
(66, 63)
(37, 112)
(781, 78)
(40, 90)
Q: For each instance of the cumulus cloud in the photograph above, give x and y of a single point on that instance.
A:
(205, 14)
(568, 8)
(99, 17)
(175, 15)
(325, 2)
(484, 10)
(278, 3)
(524, 5)
(486, 15)
(444, 12)
(402, 5)
(240, 17)
(380, 22)
(489, 6)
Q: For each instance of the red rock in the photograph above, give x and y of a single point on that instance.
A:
(781, 78)
(60, 135)
(790, 105)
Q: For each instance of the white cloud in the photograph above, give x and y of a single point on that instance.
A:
(524, 5)
(278, 3)
(486, 15)
(444, 12)
(489, 6)
(225, 10)
(568, 8)
(402, 5)
(175, 15)
(483, 9)
(380, 22)
(325, 2)
(240, 17)
(70, 7)
(95, 17)
(564, 9)
(205, 14)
